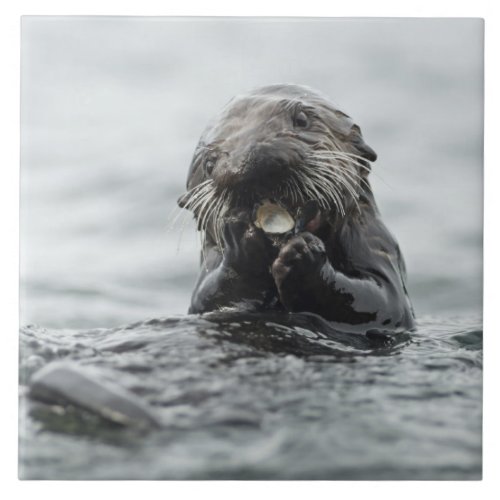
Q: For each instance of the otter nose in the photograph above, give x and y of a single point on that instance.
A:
(266, 161)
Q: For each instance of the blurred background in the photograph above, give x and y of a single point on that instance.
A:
(112, 109)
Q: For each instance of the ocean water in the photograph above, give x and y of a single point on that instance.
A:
(111, 111)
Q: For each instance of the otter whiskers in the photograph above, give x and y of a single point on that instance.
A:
(325, 176)
(208, 206)
(334, 171)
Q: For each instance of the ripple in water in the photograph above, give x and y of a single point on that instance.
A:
(259, 397)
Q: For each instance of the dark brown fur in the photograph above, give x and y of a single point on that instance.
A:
(290, 144)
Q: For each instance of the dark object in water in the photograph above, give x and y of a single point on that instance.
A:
(67, 384)
(291, 145)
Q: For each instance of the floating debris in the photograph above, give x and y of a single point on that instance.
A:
(67, 384)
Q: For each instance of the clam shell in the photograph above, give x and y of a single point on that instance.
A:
(273, 219)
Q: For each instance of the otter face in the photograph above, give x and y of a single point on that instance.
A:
(286, 143)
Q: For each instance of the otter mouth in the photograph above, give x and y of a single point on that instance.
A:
(275, 212)
(274, 218)
(275, 209)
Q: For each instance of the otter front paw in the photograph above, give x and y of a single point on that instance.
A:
(298, 266)
(246, 248)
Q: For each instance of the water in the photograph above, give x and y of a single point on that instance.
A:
(111, 112)
(245, 399)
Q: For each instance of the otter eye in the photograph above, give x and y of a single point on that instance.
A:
(301, 120)
(209, 165)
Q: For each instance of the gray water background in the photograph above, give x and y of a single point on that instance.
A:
(111, 111)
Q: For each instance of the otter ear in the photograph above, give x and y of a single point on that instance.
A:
(360, 145)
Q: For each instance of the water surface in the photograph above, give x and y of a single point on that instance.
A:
(244, 397)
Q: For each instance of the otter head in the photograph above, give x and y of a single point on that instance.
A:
(286, 143)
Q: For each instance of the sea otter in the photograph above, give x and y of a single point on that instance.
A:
(289, 148)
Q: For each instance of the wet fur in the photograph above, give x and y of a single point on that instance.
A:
(289, 143)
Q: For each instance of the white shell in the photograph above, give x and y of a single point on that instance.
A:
(272, 218)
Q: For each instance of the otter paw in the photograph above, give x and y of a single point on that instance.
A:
(246, 248)
(299, 261)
